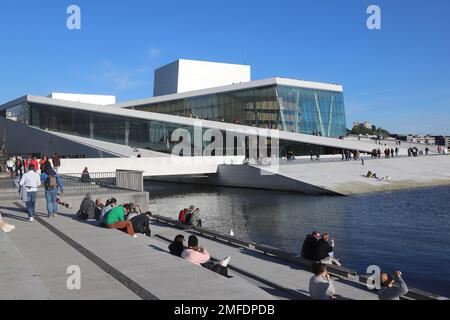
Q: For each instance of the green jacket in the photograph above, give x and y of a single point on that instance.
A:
(115, 215)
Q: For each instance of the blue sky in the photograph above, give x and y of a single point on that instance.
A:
(397, 77)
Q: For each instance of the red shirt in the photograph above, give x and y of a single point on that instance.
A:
(35, 163)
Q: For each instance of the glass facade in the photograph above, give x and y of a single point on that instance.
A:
(291, 109)
(156, 135)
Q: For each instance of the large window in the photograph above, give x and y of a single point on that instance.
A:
(283, 108)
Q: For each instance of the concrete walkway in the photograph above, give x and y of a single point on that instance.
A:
(349, 178)
(143, 264)
(18, 280)
(116, 266)
(49, 257)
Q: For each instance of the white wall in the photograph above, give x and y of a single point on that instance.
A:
(197, 75)
(189, 75)
(101, 100)
(151, 166)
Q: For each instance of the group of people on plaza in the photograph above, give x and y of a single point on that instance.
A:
(442, 150)
(127, 217)
(24, 171)
(18, 165)
(388, 153)
(29, 180)
(314, 156)
(348, 155)
(290, 156)
(190, 217)
(320, 250)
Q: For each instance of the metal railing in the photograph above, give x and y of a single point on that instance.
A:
(76, 184)
(98, 183)
(103, 182)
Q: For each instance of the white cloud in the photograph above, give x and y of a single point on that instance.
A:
(122, 79)
(154, 52)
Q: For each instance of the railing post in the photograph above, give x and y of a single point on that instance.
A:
(131, 180)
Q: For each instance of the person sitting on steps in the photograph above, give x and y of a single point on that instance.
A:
(324, 252)
(177, 247)
(115, 219)
(199, 256)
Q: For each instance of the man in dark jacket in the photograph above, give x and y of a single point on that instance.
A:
(323, 248)
(309, 245)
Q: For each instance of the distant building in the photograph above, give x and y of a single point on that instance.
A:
(428, 139)
(191, 94)
(364, 124)
(425, 139)
(443, 140)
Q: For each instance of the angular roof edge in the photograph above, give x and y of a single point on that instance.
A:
(234, 87)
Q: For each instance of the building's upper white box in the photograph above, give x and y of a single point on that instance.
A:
(190, 75)
(100, 100)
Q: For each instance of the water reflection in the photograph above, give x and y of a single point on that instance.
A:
(403, 230)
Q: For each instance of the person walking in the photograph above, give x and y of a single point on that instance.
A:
(56, 160)
(31, 181)
(10, 166)
(53, 185)
(19, 166)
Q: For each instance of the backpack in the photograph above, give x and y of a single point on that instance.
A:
(51, 183)
(182, 216)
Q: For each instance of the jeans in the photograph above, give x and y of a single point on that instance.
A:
(31, 203)
(51, 196)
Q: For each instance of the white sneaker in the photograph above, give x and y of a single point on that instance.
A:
(225, 262)
(135, 236)
(31, 219)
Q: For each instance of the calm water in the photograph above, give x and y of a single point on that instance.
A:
(407, 230)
